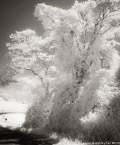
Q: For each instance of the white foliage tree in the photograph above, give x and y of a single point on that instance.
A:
(81, 43)
(30, 52)
(85, 42)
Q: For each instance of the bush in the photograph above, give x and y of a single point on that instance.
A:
(63, 102)
(94, 114)
(37, 116)
(104, 125)
(91, 115)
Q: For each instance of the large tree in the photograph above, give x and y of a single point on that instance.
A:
(32, 53)
(81, 44)
(78, 41)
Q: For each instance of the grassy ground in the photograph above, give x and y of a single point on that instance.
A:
(66, 141)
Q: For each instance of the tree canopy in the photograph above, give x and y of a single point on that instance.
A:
(80, 40)
(80, 52)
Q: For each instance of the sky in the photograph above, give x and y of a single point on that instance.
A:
(17, 15)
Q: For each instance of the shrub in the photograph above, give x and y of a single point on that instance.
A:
(37, 116)
(63, 102)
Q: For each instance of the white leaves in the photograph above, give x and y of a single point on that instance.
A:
(22, 35)
(48, 15)
(77, 33)
(76, 60)
(79, 41)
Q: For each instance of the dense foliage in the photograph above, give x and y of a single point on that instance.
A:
(77, 62)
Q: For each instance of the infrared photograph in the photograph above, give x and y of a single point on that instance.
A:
(60, 72)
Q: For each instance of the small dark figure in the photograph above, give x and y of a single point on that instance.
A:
(5, 119)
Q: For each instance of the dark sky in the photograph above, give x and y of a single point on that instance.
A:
(17, 15)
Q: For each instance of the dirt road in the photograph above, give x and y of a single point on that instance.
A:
(9, 137)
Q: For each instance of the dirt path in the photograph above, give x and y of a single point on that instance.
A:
(8, 137)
